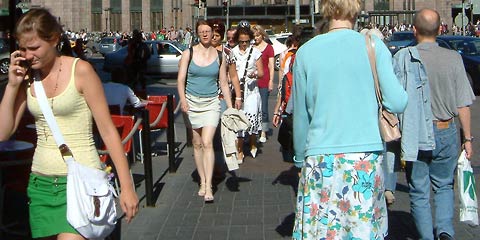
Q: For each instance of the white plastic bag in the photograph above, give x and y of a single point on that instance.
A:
(91, 206)
(466, 188)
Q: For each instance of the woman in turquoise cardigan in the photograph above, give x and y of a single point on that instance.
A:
(336, 134)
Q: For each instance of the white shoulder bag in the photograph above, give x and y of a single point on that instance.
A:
(91, 207)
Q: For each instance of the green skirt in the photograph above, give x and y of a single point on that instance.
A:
(48, 206)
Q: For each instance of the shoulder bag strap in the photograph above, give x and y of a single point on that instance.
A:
(246, 63)
(371, 57)
(49, 117)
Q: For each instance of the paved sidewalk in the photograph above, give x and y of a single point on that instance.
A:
(255, 202)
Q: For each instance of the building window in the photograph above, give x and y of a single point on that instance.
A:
(156, 21)
(115, 21)
(381, 5)
(136, 20)
(96, 22)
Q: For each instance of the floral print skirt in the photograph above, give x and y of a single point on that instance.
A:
(340, 196)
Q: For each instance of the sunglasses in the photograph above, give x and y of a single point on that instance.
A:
(241, 42)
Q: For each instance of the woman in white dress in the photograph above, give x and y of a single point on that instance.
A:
(248, 65)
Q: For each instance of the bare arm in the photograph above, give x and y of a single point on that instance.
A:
(14, 100)
(277, 117)
(89, 84)
(259, 66)
(464, 116)
(232, 71)
(272, 72)
(224, 83)
(181, 79)
(280, 70)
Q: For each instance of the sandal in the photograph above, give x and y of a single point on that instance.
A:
(202, 190)
(240, 157)
(208, 198)
(389, 198)
(253, 151)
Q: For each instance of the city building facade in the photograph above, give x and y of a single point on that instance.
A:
(278, 15)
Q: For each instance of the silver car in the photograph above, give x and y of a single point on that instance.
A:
(164, 59)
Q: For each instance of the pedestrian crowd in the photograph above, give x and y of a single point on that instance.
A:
(326, 111)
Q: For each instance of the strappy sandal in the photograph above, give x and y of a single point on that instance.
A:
(208, 198)
(202, 191)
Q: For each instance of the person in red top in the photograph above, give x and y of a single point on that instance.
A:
(265, 84)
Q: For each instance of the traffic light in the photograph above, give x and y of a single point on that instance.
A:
(225, 7)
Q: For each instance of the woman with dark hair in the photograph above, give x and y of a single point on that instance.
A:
(248, 69)
(75, 94)
(218, 33)
(200, 74)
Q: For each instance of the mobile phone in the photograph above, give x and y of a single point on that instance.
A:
(25, 64)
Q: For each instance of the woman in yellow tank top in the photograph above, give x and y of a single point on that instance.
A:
(75, 94)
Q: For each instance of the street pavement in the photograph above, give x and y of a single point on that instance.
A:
(254, 202)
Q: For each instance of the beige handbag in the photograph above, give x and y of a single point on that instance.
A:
(388, 122)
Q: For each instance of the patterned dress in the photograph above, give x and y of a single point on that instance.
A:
(340, 196)
(252, 103)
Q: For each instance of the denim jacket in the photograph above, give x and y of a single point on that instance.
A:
(416, 122)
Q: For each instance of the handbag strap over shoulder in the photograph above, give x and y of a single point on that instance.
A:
(246, 63)
(373, 65)
(49, 117)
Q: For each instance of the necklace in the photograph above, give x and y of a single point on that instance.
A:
(45, 133)
(56, 81)
(336, 28)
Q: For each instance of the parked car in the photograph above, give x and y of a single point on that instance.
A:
(165, 56)
(4, 62)
(278, 44)
(399, 40)
(469, 49)
(4, 56)
(109, 45)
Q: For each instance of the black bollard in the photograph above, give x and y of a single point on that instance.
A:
(171, 135)
(147, 158)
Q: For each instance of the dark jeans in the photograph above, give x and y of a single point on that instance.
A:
(264, 93)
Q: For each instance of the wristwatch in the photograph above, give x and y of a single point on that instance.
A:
(468, 139)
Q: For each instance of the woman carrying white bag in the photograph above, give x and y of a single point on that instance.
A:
(75, 95)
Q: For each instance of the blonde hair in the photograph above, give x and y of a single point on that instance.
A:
(341, 8)
(259, 29)
(40, 21)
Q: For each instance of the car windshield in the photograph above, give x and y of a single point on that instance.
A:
(3, 45)
(282, 39)
(469, 47)
(108, 40)
(399, 36)
(179, 45)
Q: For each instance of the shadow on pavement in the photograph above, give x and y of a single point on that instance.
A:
(289, 177)
(401, 226)
(286, 227)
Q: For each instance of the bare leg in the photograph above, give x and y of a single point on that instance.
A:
(208, 159)
(69, 236)
(240, 148)
(253, 145)
(198, 152)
